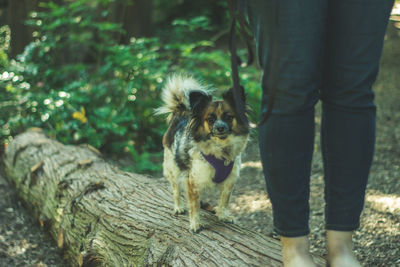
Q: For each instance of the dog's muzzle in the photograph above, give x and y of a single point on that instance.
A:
(220, 129)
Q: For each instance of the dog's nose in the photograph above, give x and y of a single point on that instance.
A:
(221, 127)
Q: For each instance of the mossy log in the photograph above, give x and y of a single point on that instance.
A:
(102, 216)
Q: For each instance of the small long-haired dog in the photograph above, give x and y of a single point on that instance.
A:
(202, 145)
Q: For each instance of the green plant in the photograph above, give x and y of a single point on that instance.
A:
(81, 86)
(75, 81)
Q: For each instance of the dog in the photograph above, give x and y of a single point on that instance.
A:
(202, 145)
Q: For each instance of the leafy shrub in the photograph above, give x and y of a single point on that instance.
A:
(81, 86)
(76, 82)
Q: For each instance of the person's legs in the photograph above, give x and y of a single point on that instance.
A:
(287, 138)
(354, 44)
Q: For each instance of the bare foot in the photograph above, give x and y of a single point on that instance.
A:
(296, 253)
(340, 249)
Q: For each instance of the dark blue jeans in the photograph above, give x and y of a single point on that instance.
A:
(329, 50)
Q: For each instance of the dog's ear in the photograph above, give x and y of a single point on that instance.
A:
(228, 97)
(199, 100)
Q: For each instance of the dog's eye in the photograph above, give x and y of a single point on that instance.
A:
(211, 119)
(227, 117)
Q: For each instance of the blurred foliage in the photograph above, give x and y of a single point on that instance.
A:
(81, 86)
(165, 12)
(4, 46)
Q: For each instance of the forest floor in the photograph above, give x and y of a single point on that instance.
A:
(377, 242)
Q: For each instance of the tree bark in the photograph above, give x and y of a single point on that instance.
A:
(17, 14)
(102, 216)
(135, 17)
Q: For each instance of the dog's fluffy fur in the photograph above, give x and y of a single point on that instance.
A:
(197, 125)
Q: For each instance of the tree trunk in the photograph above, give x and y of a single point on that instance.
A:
(135, 17)
(21, 34)
(138, 20)
(102, 216)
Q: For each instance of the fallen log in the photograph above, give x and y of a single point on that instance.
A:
(102, 216)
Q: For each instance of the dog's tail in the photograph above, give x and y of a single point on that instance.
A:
(175, 95)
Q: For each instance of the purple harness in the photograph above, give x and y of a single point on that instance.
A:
(222, 171)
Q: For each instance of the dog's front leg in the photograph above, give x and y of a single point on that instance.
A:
(178, 207)
(193, 197)
(223, 210)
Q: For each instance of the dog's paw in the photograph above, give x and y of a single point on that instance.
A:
(179, 211)
(196, 230)
(195, 227)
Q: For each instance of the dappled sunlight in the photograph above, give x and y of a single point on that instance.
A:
(252, 202)
(252, 164)
(396, 9)
(384, 202)
(92, 71)
(17, 247)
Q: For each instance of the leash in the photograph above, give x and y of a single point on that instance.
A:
(237, 13)
(237, 89)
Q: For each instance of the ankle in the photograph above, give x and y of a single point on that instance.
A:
(340, 249)
(296, 251)
(339, 241)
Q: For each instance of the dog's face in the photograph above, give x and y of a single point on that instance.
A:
(215, 119)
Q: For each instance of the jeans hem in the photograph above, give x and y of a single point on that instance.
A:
(345, 228)
(296, 233)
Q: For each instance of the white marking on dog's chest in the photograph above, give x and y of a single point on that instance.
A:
(202, 171)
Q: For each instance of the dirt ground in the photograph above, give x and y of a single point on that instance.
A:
(377, 242)
(22, 241)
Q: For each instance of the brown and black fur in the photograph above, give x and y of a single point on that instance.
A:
(198, 125)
